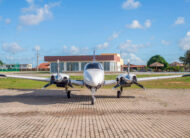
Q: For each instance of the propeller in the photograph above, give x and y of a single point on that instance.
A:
(140, 85)
(119, 82)
(123, 82)
(52, 81)
(59, 81)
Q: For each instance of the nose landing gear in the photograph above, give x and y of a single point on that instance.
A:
(93, 90)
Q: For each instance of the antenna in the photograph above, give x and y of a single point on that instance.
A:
(94, 55)
(128, 64)
(37, 56)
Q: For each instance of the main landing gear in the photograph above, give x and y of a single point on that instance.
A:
(119, 92)
(68, 93)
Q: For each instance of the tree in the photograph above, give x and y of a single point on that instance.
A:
(1, 63)
(186, 59)
(158, 58)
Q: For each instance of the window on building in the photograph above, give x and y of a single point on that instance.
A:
(54, 67)
(112, 66)
(72, 66)
(107, 66)
(83, 65)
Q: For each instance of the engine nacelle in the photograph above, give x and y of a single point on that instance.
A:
(60, 77)
(61, 80)
(126, 79)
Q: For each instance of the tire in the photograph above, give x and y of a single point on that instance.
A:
(92, 101)
(68, 94)
(118, 94)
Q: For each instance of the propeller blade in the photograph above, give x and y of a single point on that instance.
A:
(47, 85)
(141, 86)
(70, 84)
(116, 86)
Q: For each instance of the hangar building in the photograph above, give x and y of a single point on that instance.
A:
(110, 62)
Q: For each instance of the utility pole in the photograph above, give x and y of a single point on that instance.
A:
(37, 58)
(37, 54)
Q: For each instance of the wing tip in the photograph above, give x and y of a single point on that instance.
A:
(186, 75)
(2, 75)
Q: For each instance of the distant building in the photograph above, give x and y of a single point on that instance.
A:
(134, 67)
(44, 66)
(19, 66)
(16, 67)
(176, 64)
(110, 62)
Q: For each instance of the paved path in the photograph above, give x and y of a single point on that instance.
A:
(139, 113)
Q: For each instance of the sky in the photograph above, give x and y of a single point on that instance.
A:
(136, 29)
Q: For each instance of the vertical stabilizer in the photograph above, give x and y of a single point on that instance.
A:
(128, 70)
(58, 69)
(94, 56)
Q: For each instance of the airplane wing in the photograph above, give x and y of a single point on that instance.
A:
(161, 77)
(26, 77)
(110, 82)
(77, 82)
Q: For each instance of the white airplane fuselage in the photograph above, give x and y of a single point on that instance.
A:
(93, 78)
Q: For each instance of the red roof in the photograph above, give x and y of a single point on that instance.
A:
(176, 64)
(44, 66)
(82, 58)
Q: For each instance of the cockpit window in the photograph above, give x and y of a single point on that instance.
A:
(94, 66)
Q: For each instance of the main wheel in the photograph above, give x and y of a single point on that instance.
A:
(68, 94)
(118, 94)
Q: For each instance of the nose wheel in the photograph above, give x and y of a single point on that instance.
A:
(93, 99)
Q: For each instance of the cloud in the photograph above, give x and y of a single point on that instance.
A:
(37, 48)
(166, 43)
(7, 21)
(147, 23)
(103, 46)
(133, 58)
(11, 47)
(185, 42)
(131, 4)
(34, 16)
(74, 50)
(30, 1)
(1, 18)
(136, 24)
(114, 36)
(64, 48)
(107, 43)
(128, 46)
(180, 20)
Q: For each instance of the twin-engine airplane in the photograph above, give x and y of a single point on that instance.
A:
(93, 79)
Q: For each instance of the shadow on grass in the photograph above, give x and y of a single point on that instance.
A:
(46, 97)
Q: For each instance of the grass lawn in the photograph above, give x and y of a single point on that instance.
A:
(176, 83)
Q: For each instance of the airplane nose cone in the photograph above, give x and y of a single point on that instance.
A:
(94, 78)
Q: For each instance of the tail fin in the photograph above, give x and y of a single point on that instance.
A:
(58, 69)
(128, 70)
(94, 56)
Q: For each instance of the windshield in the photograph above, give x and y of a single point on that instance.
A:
(94, 66)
